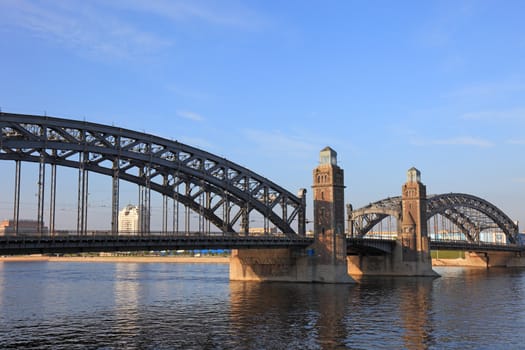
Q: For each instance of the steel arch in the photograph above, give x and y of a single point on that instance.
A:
(451, 202)
(168, 167)
(364, 219)
(450, 205)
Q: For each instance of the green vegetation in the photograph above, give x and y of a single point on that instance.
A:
(447, 254)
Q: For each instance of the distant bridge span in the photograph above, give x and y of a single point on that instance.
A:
(223, 192)
(469, 213)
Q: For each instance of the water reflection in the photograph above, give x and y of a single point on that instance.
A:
(391, 313)
(293, 314)
(126, 294)
(166, 306)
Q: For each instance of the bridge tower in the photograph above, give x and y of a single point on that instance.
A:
(412, 233)
(328, 186)
(325, 260)
(413, 230)
(411, 254)
(329, 219)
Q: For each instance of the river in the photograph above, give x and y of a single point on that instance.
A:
(50, 305)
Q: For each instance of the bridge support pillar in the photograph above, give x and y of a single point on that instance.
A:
(485, 259)
(262, 265)
(330, 263)
(401, 262)
(322, 262)
(411, 255)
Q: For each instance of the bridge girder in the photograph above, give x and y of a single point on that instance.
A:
(170, 168)
(469, 213)
(492, 216)
(364, 219)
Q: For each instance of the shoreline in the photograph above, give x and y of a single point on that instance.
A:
(170, 260)
(120, 259)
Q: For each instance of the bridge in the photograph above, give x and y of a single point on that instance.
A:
(218, 196)
(155, 241)
(470, 215)
(219, 191)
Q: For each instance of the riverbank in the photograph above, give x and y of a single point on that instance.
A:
(167, 259)
(121, 259)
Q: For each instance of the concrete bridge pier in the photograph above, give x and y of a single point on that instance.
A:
(260, 265)
(403, 261)
(485, 259)
(322, 262)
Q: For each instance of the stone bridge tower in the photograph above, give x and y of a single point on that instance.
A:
(328, 187)
(412, 233)
(325, 260)
(329, 219)
(411, 254)
(413, 230)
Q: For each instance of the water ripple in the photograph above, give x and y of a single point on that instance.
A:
(172, 306)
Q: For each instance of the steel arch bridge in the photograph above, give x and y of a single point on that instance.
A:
(469, 213)
(223, 192)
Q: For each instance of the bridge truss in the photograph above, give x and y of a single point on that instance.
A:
(471, 215)
(222, 192)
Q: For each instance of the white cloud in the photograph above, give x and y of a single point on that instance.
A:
(218, 13)
(105, 29)
(197, 142)
(496, 115)
(190, 115)
(488, 89)
(516, 142)
(188, 93)
(80, 26)
(276, 142)
(456, 141)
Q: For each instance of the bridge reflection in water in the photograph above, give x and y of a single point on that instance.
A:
(338, 315)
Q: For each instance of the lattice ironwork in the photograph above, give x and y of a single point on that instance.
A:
(364, 219)
(223, 192)
(469, 213)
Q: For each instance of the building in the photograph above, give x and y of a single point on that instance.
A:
(129, 220)
(25, 228)
(260, 231)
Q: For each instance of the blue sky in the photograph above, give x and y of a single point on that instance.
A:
(439, 85)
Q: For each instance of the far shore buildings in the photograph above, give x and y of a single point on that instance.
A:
(259, 231)
(25, 228)
(129, 220)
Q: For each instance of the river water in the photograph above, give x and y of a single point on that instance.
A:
(58, 305)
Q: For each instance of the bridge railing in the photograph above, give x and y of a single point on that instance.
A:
(469, 245)
(387, 237)
(25, 244)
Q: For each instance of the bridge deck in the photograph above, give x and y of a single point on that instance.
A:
(12, 245)
(474, 246)
(78, 244)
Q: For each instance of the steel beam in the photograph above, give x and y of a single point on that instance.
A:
(16, 206)
(115, 197)
(41, 191)
(52, 204)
